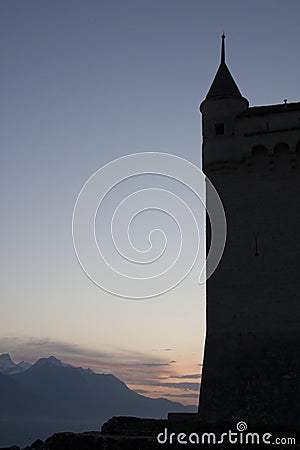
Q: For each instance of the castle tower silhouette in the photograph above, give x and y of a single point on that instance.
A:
(251, 367)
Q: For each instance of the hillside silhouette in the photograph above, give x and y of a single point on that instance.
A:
(51, 396)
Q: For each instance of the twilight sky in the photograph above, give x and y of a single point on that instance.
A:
(84, 82)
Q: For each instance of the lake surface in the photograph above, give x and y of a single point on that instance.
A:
(24, 432)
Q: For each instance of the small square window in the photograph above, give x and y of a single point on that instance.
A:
(219, 128)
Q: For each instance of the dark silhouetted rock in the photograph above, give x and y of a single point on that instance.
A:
(14, 447)
(38, 444)
(75, 441)
(133, 426)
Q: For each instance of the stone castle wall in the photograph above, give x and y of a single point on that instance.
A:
(251, 363)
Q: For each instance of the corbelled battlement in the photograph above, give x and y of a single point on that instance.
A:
(260, 157)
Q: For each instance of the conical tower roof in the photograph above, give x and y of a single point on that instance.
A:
(223, 83)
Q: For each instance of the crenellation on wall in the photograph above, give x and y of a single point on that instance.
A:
(259, 154)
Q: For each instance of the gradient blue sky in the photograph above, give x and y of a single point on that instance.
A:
(82, 83)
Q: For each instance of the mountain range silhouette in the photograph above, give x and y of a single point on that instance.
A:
(49, 396)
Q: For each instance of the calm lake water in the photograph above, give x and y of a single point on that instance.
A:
(24, 432)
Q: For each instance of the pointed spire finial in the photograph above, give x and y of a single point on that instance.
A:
(223, 49)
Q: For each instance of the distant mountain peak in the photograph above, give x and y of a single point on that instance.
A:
(54, 360)
(23, 365)
(50, 361)
(8, 367)
(5, 356)
(6, 363)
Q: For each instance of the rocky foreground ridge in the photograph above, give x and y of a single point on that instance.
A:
(131, 433)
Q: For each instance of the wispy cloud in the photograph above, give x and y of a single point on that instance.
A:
(184, 395)
(179, 385)
(156, 364)
(136, 369)
(31, 349)
(192, 376)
